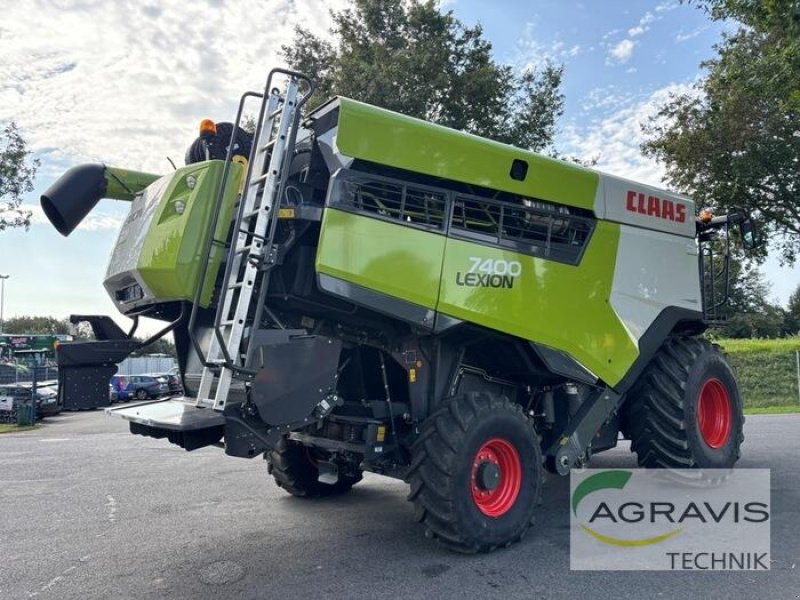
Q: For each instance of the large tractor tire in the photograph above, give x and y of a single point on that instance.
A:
(685, 410)
(476, 473)
(294, 468)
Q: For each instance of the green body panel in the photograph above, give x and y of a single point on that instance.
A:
(123, 184)
(400, 261)
(556, 304)
(169, 259)
(381, 136)
(563, 306)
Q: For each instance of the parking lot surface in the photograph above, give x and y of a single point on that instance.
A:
(90, 511)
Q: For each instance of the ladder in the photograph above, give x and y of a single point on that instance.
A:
(251, 242)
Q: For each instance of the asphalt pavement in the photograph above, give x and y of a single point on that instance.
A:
(89, 511)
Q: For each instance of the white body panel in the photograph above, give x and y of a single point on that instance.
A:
(624, 201)
(654, 270)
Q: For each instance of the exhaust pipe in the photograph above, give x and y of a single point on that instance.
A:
(76, 192)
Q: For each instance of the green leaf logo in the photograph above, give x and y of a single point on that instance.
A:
(601, 481)
(616, 480)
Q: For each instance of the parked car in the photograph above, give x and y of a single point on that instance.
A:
(47, 404)
(46, 396)
(173, 381)
(113, 394)
(139, 387)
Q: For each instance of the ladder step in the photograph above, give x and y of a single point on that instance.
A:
(259, 179)
(252, 213)
(268, 145)
(260, 238)
(245, 250)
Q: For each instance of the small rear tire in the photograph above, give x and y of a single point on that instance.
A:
(294, 469)
(476, 473)
(685, 410)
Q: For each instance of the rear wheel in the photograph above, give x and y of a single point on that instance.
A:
(685, 411)
(294, 468)
(476, 474)
(141, 394)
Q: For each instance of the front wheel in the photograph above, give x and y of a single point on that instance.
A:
(476, 473)
(294, 468)
(141, 394)
(685, 410)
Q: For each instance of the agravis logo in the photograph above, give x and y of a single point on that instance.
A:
(672, 519)
(603, 481)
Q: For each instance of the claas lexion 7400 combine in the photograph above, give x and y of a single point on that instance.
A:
(351, 290)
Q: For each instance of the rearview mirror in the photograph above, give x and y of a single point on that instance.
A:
(750, 238)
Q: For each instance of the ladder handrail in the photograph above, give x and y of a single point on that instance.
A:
(240, 209)
(229, 363)
(213, 228)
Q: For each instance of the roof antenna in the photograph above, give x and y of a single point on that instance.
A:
(172, 163)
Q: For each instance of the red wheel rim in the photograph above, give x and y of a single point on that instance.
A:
(498, 500)
(714, 413)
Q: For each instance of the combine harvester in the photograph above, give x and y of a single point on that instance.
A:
(356, 290)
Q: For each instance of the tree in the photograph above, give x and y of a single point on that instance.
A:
(749, 312)
(16, 178)
(792, 322)
(410, 57)
(734, 140)
(35, 325)
(160, 346)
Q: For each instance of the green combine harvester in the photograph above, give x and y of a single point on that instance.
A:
(352, 290)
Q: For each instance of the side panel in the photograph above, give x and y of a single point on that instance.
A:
(648, 207)
(400, 261)
(388, 138)
(654, 271)
(559, 305)
(159, 245)
(170, 256)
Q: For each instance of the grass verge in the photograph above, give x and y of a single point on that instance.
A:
(12, 428)
(772, 410)
(766, 370)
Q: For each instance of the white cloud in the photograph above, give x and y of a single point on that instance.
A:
(614, 139)
(125, 82)
(611, 33)
(94, 221)
(530, 52)
(682, 36)
(647, 19)
(643, 26)
(623, 51)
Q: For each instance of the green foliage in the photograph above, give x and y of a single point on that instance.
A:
(412, 58)
(733, 142)
(766, 370)
(36, 326)
(792, 320)
(768, 322)
(16, 177)
(748, 313)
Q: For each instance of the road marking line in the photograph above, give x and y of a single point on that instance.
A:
(111, 505)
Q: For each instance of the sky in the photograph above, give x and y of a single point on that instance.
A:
(126, 82)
